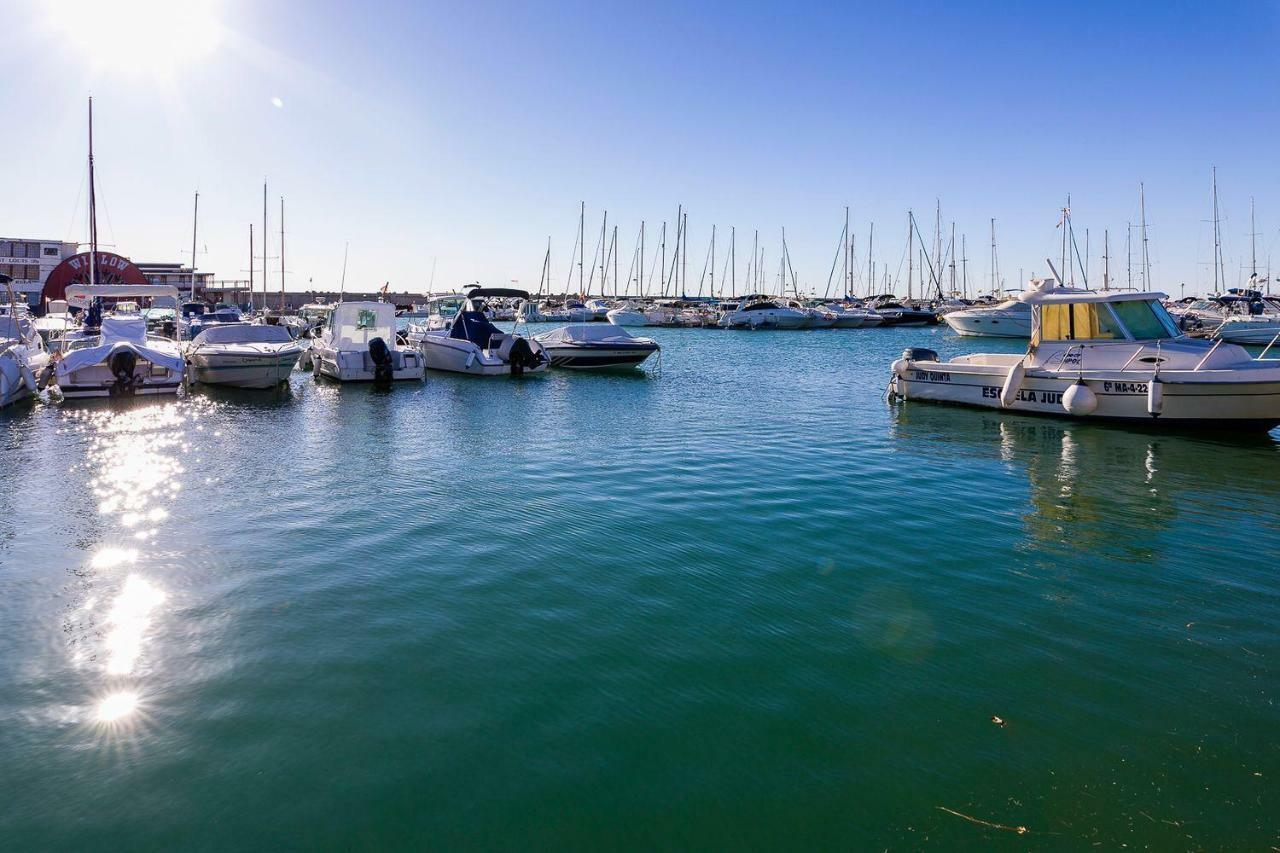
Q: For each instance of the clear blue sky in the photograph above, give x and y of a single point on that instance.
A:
(466, 134)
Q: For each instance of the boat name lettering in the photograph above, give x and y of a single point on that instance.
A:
(1025, 395)
(932, 376)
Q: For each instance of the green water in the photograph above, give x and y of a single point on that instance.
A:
(738, 603)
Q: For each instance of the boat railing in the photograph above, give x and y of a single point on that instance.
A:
(1263, 355)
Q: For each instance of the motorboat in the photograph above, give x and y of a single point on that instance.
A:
(761, 312)
(312, 318)
(55, 323)
(358, 344)
(473, 345)
(588, 346)
(846, 316)
(23, 356)
(118, 360)
(1104, 355)
(439, 312)
(599, 309)
(243, 355)
(1009, 319)
(219, 316)
(895, 313)
(819, 316)
(627, 314)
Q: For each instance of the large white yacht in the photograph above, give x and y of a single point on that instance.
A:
(1009, 319)
(762, 312)
(1105, 355)
(358, 344)
(472, 344)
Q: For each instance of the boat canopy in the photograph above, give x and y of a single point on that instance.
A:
(243, 333)
(80, 295)
(353, 324)
(503, 292)
(1046, 292)
(120, 333)
(587, 333)
(473, 326)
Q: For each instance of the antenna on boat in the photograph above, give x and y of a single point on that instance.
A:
(1146, 257)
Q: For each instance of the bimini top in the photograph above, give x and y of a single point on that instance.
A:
(1045, 291)
(80, 295)
(502, 292)
(243, 333)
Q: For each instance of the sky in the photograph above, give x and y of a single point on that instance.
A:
(444, 143)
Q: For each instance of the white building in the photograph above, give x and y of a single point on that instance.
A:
(30, 262)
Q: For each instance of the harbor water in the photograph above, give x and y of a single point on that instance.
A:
(737, 600)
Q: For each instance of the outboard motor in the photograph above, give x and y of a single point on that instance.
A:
(522, 356)
(122, 365)
(381, 355)
(919, 354)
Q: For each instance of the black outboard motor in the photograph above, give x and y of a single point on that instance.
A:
(522, 356)
(919, 354)
(381, 355)
(122, 365)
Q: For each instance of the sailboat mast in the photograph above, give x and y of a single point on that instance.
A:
(93, 208)
(993, 257)
(342, 283)
(1146, 257)
(251, 267)
(195, 218)
(615, 262)
(964, 265)
(265, 232)
(733, 261)
(640, 280)
(911, 251)
(1217, 238)
(281, 254)
(713, 261)
(684, 255)
(1106, 259)
(582, 235)
(953, 258)
(1253, 245)
(871, 264)
(847, 262)
(604, 272)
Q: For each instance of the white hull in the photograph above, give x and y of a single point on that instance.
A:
(979, 324)
(459, 356)
(18, 375)
(266, 371)
(1121, 395)
(619, 317)
(357, 366)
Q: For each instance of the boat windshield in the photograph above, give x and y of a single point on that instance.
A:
(1146, 319)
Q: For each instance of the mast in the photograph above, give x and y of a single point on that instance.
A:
(662, 264)
(1253, 245)
(640, 280)
(1218, 272)
(911, 251)
(952, 252)
(615, 262)
(281, 254)
(713, 261)
(846, 264)
(1146, 258)
(195, 218)
(993, 259)
(342, 284)
(964, 265)
(1128, 254)
(733, 261)
(871, 266)
(1106, 259)
(265, 232)
(684, 256)
(604, 272)
(93, 208)
(251, 266)
(582, 235)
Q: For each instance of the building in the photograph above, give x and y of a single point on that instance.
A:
(176, 275)
(30, 262)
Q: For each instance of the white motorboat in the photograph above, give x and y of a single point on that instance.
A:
(23, 356)
(1104, 355)
(358, 344)
(599, 309)
(473, 345)
(846, 316)
(220, 316)
(120, 360)
(1009, 319)
(588, 346)
(55, 323)
(243, 355)
(761, 312)
(440, 311)
(627, 314)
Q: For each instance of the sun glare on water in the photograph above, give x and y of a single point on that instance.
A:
(154, 37)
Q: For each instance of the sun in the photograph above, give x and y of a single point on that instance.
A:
(138, 37)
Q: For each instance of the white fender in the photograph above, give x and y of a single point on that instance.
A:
(1155, 397)
(471, 356)
(1080, 399)
(1012, 384)
(28, 378)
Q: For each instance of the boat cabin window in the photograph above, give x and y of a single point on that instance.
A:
(1145, 319)
(1078, 321)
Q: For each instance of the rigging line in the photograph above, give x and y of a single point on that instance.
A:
(568, 282)
(925, 254)
(705, 262)
(79, 195)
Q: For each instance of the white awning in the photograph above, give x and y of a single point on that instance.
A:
(80, 295)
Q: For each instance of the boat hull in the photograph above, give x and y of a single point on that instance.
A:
(599, 358)
(1186, 402)
(969, 324)
(453, 355)
(352, 366)
(239, 371)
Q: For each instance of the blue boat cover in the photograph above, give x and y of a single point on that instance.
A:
(473, 326)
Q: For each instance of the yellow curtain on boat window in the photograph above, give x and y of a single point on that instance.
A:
(1080, 321)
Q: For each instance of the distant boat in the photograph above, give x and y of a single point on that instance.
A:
(588, 346)
(1010, 319)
